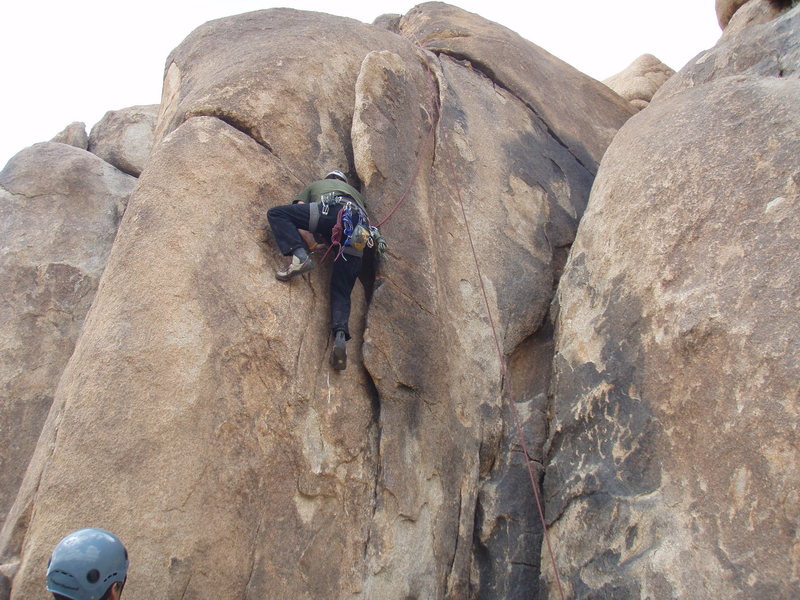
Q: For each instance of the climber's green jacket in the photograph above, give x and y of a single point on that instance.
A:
(315, 191)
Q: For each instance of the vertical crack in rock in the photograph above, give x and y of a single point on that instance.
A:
(430, 449)
(507, 533)
(255, 553)
(450, 574)
(376, 448)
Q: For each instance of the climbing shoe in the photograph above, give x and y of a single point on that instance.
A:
(339, 354)
(300, 264)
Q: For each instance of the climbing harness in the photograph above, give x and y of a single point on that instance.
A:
(352, 231)
(331, 199)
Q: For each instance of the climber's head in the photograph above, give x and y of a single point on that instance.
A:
(336, 174)
(88, 564)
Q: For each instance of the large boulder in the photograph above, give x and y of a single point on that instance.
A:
(755, 12)
(673, 466)
(771, 50)
(124, 137)
(388, 21)
(639, 82)
(185, 386)
(429, 283)
(198, 418)
(583, 114)
(735, 15)
(73, 134)
(59, 209)
(726, 9)
(265, 74)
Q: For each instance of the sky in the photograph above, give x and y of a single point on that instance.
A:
(72, 61)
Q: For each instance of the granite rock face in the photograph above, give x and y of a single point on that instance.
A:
(582, 114)
(769, 51)
(59, 210)
(73, 134)
(672, 459)
(639, 82)
(124, 137)
(193, 412)
(735, 15)
(454, 450)
(726, 9)
(224, 451)
(755, 12)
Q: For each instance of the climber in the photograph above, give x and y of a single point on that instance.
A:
(336, 212)
(88, 564)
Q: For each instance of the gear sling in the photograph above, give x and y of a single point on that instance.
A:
(352, 232)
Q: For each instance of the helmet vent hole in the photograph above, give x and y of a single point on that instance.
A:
(92, 576)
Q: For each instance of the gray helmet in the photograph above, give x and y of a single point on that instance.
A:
(86, 563)
(336, 174)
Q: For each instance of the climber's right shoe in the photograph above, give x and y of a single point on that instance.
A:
(339, 354)
(301, 263)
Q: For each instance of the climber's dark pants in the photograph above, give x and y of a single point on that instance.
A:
(285, 221)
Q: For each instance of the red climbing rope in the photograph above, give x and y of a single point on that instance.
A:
(515, 412)
(422, 153)
(500, 355)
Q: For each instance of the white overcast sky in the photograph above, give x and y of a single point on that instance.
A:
(63, 61)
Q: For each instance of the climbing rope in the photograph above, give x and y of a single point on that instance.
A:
(428, 142)
(514, 411)
(500, 354)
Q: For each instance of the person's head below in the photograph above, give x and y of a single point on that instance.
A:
(88, 564)
(336, 174)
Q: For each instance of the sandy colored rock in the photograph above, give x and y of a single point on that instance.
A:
(73, 134)
(220, 71)
(735, 15)
(239, 464)
(59, 209)
(124, 137)
(390, 22)
(455, 450)
(197, 416)
(673, 466)
(769, 50)
(218, 416)
(726, 9)
(755, 12)
(581, 112)
(639, 82)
